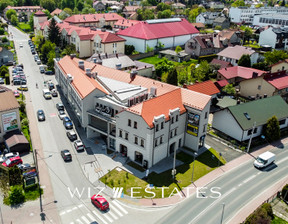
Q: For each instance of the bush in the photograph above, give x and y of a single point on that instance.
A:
(7, 79)
(16, 195)
(285, 192)
(4, 39)
(25, 122)
(268, 209)
(2, 31)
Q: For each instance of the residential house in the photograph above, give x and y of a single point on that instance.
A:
(207, 17)
(178, 5)
(135, 114)
(5, 56)
(99, 6)
(173, 56)
(221, 21)
(232, 37)
(125, 23)
(39, 19)
(9, 113)
(233, 54)
(199, 26)
(204, 44)
(220, 63)
(170, 32)
(56, 12)
(277, 38)
(207, 88)
(128, 11)
(280, 66)
(239, 121)
(278, 85)
(246, 14)
(94, 20)
(23, 12)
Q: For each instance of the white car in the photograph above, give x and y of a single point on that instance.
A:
(61, 114)
(20, 45)
(8, 156)
(79, 146)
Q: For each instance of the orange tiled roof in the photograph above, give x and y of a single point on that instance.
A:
(89, 18)
(56, 12)
(126, 22)
(206, 87)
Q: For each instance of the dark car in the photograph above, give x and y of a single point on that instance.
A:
(51, 86)
(54, 93)
(33, 52)
(60, 106)
(71, 135)
(66, 155)
(67, 123)
(40, 115)
(24, 166)
(49, 72)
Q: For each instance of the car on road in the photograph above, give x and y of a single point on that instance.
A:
(36, 57)
(100, 202)
(38, 61)
(61, 114)
(71, 135)
(67, 123)
(16, 93)
(23, 88)
(66, 155)
(42, 69)
(1, 81)
(51, 86)
(60, 106)
(40, 115)
(49, 72)
(12, 161)
(78, 145)
(20, 45)
(54, 93)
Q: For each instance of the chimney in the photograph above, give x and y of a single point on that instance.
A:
(116, 55)
(72, 56)
(133, 74)
(88, 72)
(81, 64)
(238, 101)
(265, 96)
(225, 69)
(118, 66)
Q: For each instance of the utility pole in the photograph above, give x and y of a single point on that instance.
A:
(174, 164)
(222, 213)
(40, 197)
(250, 140)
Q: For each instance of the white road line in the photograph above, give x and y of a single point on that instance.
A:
(69, 210)
(120, 207)
(71, 222)
(116, 210)
(79, 221)
(99, 217)
(239, 185)
(91, 217)
(79, 206)
(62, 213)
(85, 219)
(249, 178)
(74, 208)
(107, 217)
(113, 215)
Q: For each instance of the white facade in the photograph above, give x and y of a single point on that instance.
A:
(278, 20)
(245, 14)
(268, 37)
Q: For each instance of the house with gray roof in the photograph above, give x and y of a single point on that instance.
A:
(5, 56)
(237, 121)
(222, 21)
(207, 17)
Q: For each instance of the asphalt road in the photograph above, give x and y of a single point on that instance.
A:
(71, 188)
(237, 187)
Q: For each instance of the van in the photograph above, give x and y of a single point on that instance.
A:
(264, 160)
(47, 94)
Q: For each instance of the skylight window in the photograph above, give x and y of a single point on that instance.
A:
(247, 116)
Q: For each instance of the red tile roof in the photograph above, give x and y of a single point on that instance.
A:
(222, 83)
(279, 82)
(239, 71)
(206, 87)
(56, 12)
(223, 64)
(126, 23)
(148, 31)
(40, 13)
(90, 18)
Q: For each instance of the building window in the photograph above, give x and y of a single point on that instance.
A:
(259, 87)
(142, 142)
(177, 118)
(120, 133)
(279, 92)
(282, 122)
(175, 131)
(129, 122)
(156, 142)
(157, 127)
(162, 125)
(204, 127)
(249, 132)
(135, 124)
(126, 136)
(136, 140)
(161, 140)
(172, 120)
(286, 89)
(206, 115)
(171, 134)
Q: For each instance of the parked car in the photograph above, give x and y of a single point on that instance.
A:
(8, 63)
(23, 87)
(51, 86)
(100, 202)
(49, 72)
(42, 69)
(66, 155)
(1, 81)
(78, 145)
(60, 106)
(54, 92)
(67, 123)
(33, 52)
(61, 114)
(36, 57)
(8, 156)
(20, 66)
(16, 93)
(24, 166)
(19, 81)
(71, 135)
(20, 45)
(40, 115)
(38, 62)
(12, 161)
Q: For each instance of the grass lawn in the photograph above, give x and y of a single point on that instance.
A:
(204, 164)
(152, 60)
(278, 220)
(24, 26)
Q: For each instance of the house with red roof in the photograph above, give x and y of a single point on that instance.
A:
(278, 85)
(143, 119)
(280, 66)
(125, 23)
(171, 32)
(208, 88)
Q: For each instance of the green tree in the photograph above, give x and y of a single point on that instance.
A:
(10, 12)
(2, 31)
(69, 49)
(4, 70)
(172, 77)
(284, 193)
(272, 129)
(39, 41)
(163, 66)
(218, 27)
(229, 89)
(54, 34)
(50, 5)
(245, 61)
(68, 11)
(148, 48)
(50, 62)
(5, 3)
(67, 4)
(238, 3)
(45, 49)
(178, 49)
(268, 209)
(47, 13)
(248, 32)
(16, 195)
(145, 14)
(14, 20)
(15, 177)
(4, 39)
(80, 5)
(202, 72)
(92, 11)
(162, 6)
(275, 56)
(129, 49)
(193, 13)
(261, 66)
(164, 14)
(258, 216)
(31, 21)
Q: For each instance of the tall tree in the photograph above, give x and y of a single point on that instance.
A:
(272, 129)
(10, 12)
(172, 77)
(54, 32)
(14, 20)
(45, 49)
(229, 89)
(245, 61)
(50, 5)
(5, 3)
(275, 56)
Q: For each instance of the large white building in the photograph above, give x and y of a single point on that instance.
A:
(245, 14)
(278, 20)
(277, 38)
(141, 118)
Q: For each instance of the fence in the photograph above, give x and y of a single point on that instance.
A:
(141, 55)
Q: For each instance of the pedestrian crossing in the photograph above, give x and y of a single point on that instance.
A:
(115, 212)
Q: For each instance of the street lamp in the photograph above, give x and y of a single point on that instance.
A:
(174, 164)
(250, 140)
(194, 155)
(223, 204)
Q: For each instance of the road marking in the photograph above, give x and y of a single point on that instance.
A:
(74, 208)
(79, 221)
(116, 210)
(120, 207)
(99, 217)
(71, 222)
(91, 217)
(113, 215)
(69, 210)
(248, 179)
(79, 206)
(107, 217)
(239, 185)
(63, 213)
(85, 219)
(53, 115)
(259, 172)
